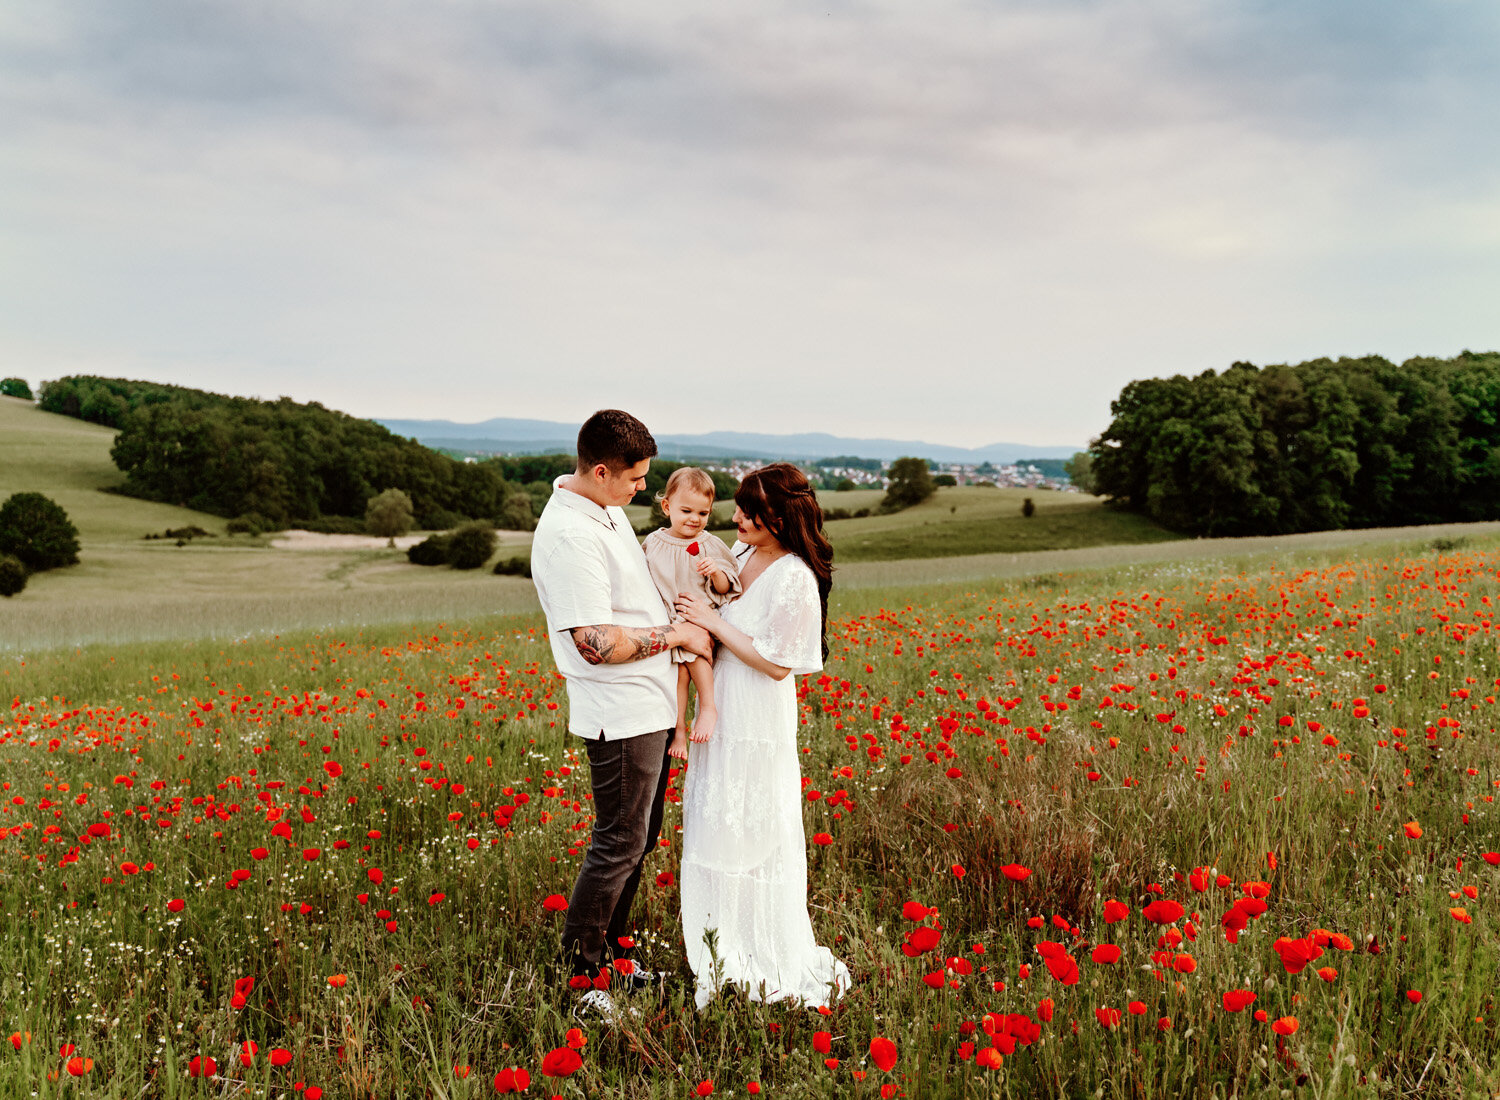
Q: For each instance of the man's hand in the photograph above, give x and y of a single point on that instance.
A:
(694, 639)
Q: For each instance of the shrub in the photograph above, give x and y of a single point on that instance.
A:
(844, 486)
(251, 523)
(15, 387)
(945, 481)
(433, 550)
(513, 567)
(471, 545)
(36, 530)
(1028, 508)
(13, 574)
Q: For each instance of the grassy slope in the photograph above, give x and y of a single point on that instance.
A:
(68, 460)
(126, 588)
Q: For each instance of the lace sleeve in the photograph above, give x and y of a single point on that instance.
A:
(793, 630)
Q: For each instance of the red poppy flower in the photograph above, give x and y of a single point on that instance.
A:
(936, 979)
(554, 903)
(1492, 858)
(1107, 1017)
(914, 910)
(1184, 964)
(202, 1066)
(989, 1058)
(1163, 911)
(1296, 954)
(375, 875)
(1137, 1008)
(280, 1056)
(1414, 995)
(883, 1053)
(1287, 1025)
(665, 878)
(1412, 830)
(1064, 969)
(1015, 872)
(1327, 973)
(176, 905)
(575, 1038)
(333, 768)
(338, 981)
(1044, 1009)
(1106, 954)
(822, 1041)
(705, 1088)
(561, 1062)
(822, 840)
(1237, 1000)
(259, 853)
(311, 854)
(77, 1066)
(692, 549)
(1115, 911)
(512, 1080)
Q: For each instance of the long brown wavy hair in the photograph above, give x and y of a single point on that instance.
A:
(779, 498)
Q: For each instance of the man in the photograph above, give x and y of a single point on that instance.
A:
(610, 636)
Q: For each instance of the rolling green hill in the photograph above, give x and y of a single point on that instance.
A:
(68, 460)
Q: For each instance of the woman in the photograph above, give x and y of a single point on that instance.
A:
(744, 854)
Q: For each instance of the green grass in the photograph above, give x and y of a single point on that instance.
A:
(964, 520)
(68, 460)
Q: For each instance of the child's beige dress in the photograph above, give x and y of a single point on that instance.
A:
(674, 570)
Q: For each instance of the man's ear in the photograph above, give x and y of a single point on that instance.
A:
(599, 472)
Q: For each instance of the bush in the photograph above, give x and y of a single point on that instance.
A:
(37, 531)
(251, 523)
(1028, 508)
(513, 567)
(945, 481)
(845, 485)
(15, 387)
(471, 545)
(433, 550)
(13, 574)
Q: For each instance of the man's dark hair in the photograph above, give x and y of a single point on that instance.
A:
(615, 438)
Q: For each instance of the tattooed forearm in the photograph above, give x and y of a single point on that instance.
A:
(649, 641)
(607, 644)
(594, 644)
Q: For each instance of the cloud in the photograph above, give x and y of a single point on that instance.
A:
(996, 198)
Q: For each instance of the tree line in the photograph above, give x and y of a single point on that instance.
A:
(1320, 445)
(280, 460)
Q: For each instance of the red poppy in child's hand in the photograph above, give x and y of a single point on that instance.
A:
(693, 549)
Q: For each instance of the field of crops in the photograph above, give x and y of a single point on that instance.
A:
(1153, 831)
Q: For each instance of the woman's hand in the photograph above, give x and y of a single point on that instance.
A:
(698, 611)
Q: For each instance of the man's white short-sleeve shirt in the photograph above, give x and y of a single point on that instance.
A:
(589, 570)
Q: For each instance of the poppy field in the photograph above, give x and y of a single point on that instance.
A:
(1193, 829)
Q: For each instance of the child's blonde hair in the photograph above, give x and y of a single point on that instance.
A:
(687, 477)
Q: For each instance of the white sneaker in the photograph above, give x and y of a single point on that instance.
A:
(598, 1004)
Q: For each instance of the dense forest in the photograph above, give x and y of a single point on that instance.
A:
(281, 460)
(1320, 445)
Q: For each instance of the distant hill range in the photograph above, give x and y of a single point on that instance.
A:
(510, 436)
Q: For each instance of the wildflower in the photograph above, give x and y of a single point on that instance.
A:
(1237, 1000)
(1015, 872)
(561, 1062)
(554, 903)
(202, 1066)
(883, 1053)
(1286, 1025)
(1106, 954)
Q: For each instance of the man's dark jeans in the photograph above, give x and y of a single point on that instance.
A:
(629, 778)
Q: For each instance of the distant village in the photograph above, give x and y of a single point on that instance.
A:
(872, 474)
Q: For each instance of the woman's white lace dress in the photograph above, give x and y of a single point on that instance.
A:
(744, 854)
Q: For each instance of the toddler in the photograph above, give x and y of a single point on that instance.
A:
(684, 557)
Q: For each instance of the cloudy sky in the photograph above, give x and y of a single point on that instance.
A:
(955, 221)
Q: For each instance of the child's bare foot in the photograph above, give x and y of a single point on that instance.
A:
(678, 747)
(703, 724)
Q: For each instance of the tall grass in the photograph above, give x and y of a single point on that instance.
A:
(1111, 733)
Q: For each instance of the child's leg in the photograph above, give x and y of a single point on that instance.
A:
(702, 673)
(678, 747)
